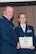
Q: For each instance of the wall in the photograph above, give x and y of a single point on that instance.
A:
(30, 12)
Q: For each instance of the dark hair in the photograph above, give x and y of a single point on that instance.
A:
(7, 6)
(20, 14)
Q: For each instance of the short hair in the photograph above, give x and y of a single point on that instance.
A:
(7, 6)
(20, 14)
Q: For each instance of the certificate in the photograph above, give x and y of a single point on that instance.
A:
(26, 42)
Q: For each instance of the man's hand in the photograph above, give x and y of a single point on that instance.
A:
(18, 45)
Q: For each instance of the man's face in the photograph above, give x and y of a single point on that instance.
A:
(9, 12)
(22, 19)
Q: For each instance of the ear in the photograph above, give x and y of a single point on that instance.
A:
(4, 11)
(18, 19)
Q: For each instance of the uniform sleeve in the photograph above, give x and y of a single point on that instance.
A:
(34, 37)
(17, 31)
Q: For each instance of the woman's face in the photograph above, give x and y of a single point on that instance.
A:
(22, 19)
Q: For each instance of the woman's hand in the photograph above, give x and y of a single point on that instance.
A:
(31, 47)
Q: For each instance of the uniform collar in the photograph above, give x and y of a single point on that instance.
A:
(6, 17)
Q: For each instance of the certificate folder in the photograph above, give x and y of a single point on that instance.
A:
(26, 42)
